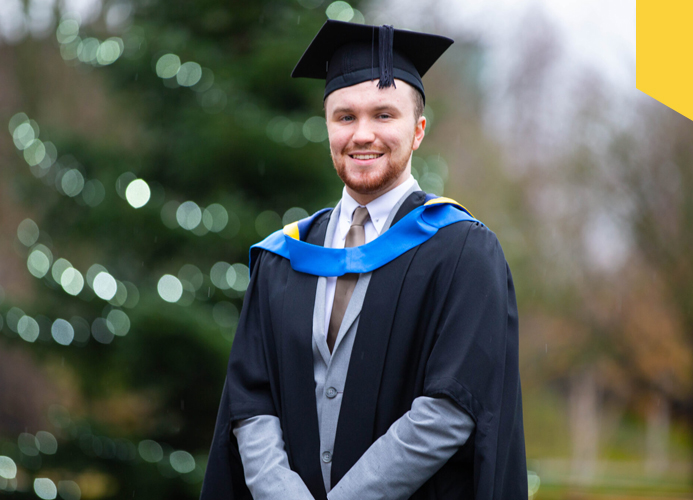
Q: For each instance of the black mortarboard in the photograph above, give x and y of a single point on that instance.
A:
(346, 54)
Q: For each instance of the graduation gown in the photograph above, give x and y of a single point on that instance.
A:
(440, 320)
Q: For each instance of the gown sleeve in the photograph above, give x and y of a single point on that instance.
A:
(247, 392)
(265, 462)
(408, 454)
(475, 363)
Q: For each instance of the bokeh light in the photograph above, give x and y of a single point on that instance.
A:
(439, 166)
(70, 182)
(192, 275)
(23, 135)
(93, 271)
(170, 288)
(69, 490)
(188, 296)
(8, 469)
(150, 451)
(206, 81)
(121, 294)
(167, 66)
(93, 192)
(340, 11)
(238, 277)
(27, 232)
(68, 51)
(81, 329)
(105, 286)
(267, 222)
(62, 332)
(87, 50)
(294, 214)
(72, 281)
(122, 183)
(67, 31)
(215, 217)
(100, 331)
(133, 297)
(315, 129)
(35, 152)
(189, 74)
(109, 51)
(138, 193)
(218, 275)
(182, 461)
(39, 260)
(432, 183)
(28, 329)
(47, 444)
(44, 165)
(45, 488)
(28, 444)
(189, 215)
(13, 317)
(168, 214)
(118, 322)
(358, 17)
(16, 120)
(295, 134)
(59, 267)
(118, 14)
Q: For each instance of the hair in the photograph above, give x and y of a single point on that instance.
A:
(418, 104)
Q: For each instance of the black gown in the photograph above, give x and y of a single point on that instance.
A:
(440, 321)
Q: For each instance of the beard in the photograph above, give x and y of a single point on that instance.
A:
(374, 179)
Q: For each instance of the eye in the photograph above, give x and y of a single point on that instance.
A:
(346, 118)
(384, 116)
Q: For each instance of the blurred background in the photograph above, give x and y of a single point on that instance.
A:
(146, 144)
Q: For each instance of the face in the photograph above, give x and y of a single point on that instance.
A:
(373, 133)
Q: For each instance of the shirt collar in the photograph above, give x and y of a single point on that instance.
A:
(378, 209)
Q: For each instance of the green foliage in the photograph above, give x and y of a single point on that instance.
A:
(163, 379)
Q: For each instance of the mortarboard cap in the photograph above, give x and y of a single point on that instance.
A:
(345, 54)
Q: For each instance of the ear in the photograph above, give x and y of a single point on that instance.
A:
(419, 132)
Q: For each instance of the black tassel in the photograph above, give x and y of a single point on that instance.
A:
(372, 49)
(386, 56)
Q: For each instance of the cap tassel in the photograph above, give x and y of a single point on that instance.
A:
(385, 42)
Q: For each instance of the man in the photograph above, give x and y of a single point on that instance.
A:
(376, 354)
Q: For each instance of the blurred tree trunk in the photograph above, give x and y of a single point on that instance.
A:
(657, 439)
(584, 425)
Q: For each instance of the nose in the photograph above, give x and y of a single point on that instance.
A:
(364, 133)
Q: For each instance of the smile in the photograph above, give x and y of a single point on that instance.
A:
(366, 157)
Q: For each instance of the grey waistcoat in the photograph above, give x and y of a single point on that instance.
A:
(331, 370)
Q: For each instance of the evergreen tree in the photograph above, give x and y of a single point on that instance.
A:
(203, 131)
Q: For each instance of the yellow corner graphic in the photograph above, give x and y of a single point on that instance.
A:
(664, 46)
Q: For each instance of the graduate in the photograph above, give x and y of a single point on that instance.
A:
(376, 355)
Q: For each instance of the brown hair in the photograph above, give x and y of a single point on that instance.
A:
(418, 104)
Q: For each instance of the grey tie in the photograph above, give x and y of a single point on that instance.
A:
(346, 283)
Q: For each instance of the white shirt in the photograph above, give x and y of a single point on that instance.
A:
(378, 210)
